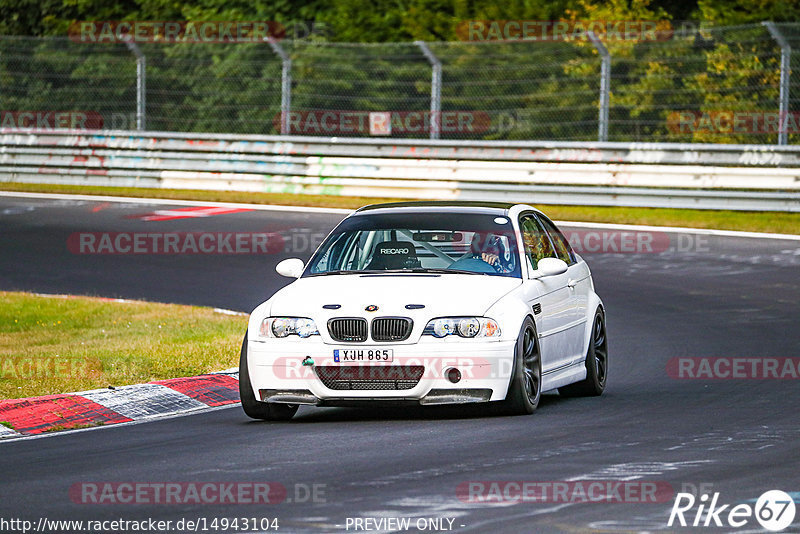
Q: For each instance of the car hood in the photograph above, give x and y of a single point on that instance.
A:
(440, 294)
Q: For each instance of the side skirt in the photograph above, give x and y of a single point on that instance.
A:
(574, 372)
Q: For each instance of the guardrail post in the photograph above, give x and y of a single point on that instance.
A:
(141, 64)
(605, 86)
(436, 88)
(786, 70)
(286, 84)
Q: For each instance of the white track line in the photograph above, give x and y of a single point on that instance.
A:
(223, 311)
(7, 433)
(173, 202)
(338, 211)
(678, 229)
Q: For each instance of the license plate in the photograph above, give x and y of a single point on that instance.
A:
(362, 355)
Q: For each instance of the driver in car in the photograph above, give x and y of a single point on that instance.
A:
(489, 247)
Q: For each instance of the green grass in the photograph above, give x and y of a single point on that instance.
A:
(52, 345)
(774, 222)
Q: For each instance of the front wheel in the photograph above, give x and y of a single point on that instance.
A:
(526, 382)
(596, 363)
(256, 409)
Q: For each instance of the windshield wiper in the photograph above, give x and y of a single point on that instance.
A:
(414, 270)
(431, 270)
(341, 271)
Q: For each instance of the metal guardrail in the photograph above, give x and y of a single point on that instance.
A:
(738, 177)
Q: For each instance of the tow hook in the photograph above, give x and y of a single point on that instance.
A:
(308, 361)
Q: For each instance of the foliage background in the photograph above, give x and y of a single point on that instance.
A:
(359, 56)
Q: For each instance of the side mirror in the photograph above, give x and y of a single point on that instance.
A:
(550, 267)
(291, 267)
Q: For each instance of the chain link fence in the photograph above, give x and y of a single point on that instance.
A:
(718, 85)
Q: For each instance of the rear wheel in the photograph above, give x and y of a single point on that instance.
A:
(596, 363)
(254, 408)
(526, 382)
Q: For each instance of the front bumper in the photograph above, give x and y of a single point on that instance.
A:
(433, 398)
(277, 372)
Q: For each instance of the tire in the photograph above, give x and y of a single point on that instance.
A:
(525, 389)
(256, 409)
(596, 363)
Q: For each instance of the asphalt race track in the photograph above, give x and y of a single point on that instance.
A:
(716, 296)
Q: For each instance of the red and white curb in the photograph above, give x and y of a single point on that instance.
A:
(100, 407)
(188, 213)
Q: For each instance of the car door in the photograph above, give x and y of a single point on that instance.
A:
(549, 297)
(579, 283)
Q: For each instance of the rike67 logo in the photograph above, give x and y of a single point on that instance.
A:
(774, 511)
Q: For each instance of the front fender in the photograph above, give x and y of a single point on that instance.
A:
(510, 312)
(256, 316)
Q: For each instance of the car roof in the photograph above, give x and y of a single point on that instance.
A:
(461, 206)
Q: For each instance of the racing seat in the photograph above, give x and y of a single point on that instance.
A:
(393, 255)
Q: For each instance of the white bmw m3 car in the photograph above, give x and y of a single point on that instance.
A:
(428, 303)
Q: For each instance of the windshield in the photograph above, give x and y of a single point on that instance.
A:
(419, 242)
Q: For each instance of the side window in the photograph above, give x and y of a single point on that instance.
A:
(563, 250)
(336, 256)
(535, 240)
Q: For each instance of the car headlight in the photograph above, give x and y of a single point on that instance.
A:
(287, 326)
(469, 327)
